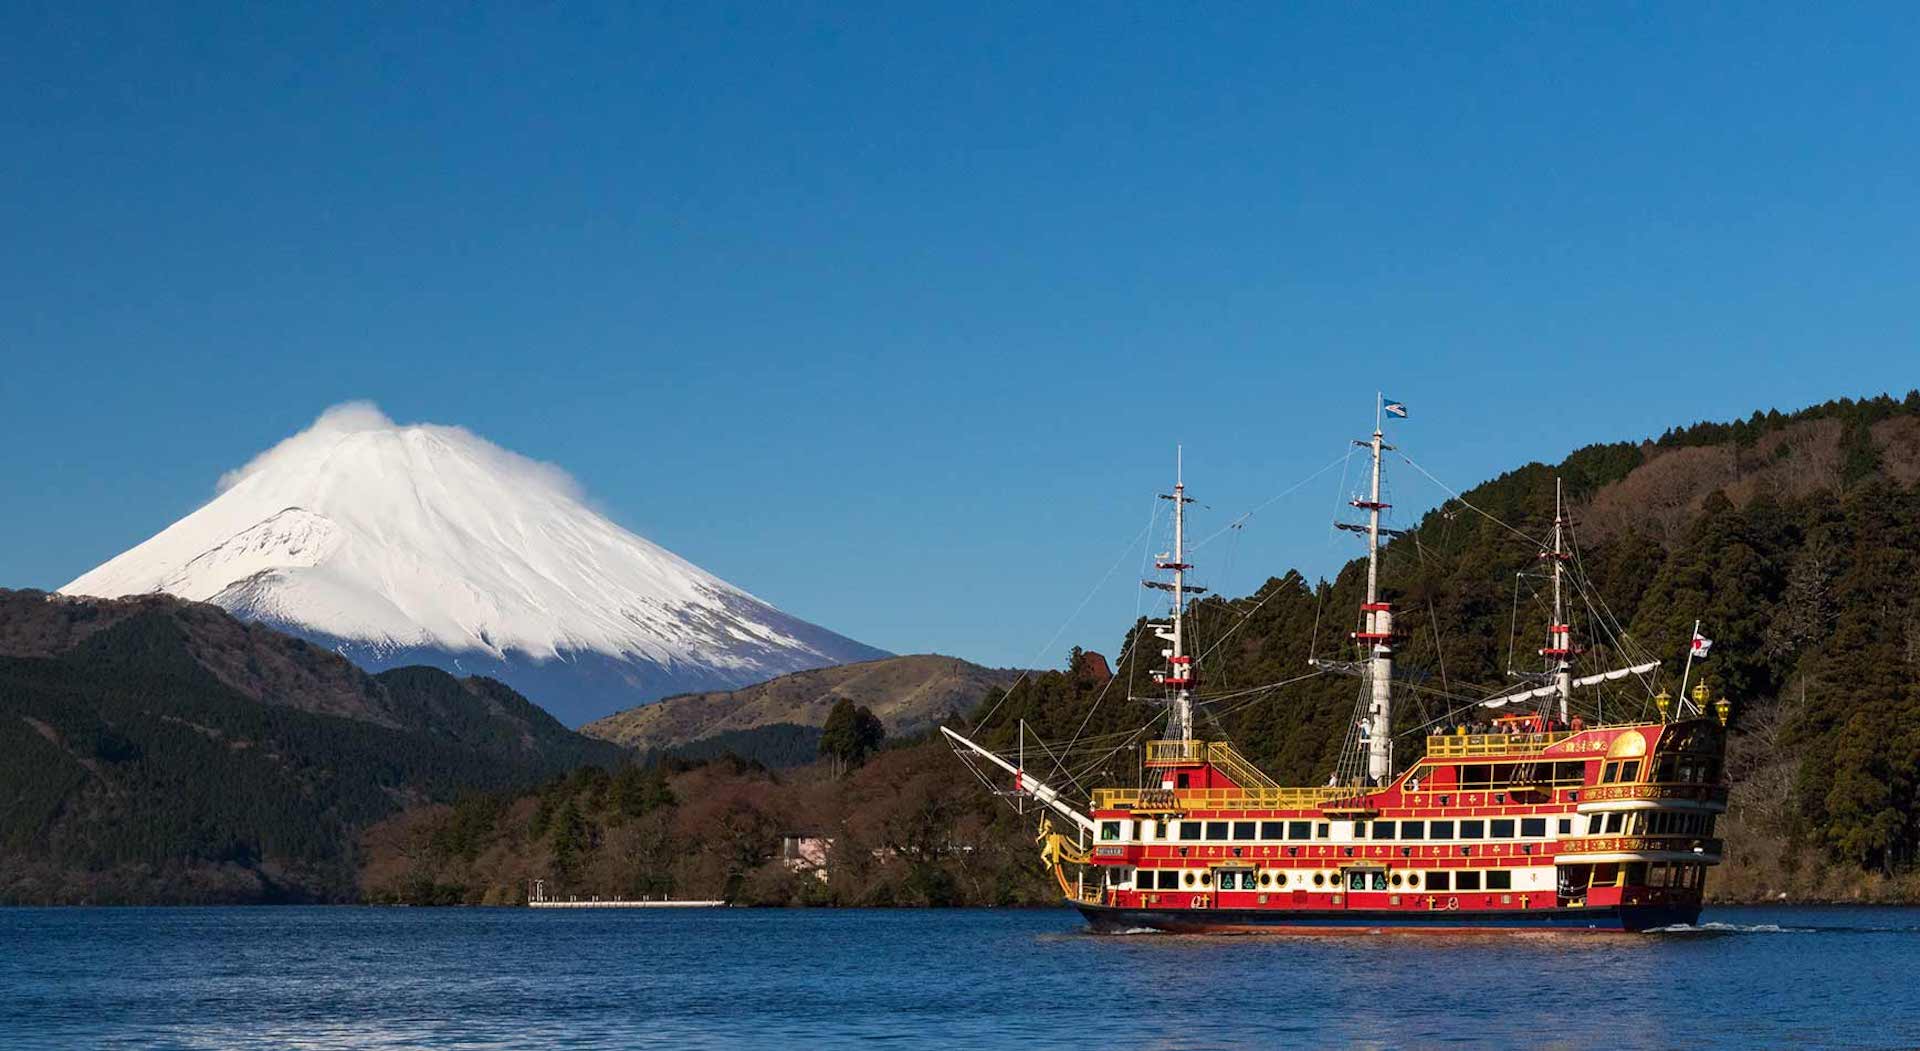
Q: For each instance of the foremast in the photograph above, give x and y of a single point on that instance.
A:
(1178, 676)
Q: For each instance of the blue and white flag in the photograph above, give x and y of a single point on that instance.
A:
(1396, 408)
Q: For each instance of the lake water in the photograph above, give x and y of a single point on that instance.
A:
(515, 978)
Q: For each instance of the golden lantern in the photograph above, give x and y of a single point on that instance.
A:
(1723, 708)
(1665, 703)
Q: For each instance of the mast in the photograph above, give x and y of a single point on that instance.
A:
(1378, 631)
(1374, 712)
(1178, 676)
(1560, 634)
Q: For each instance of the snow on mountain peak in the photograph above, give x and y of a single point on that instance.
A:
(426, 537)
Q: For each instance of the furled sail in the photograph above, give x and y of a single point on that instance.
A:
(1585, 680)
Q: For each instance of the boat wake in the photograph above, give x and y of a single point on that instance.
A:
(1774, 928)
(1730, 928)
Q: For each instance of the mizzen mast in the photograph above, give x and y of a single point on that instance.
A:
(1559, 649)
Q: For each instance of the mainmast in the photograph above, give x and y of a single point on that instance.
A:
(1178, 676)
(1559, 649)
(1374, 713)
(1378, 628)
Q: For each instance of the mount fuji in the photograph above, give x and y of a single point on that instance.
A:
(427, 544)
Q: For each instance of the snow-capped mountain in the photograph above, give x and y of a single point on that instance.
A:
(427, 544)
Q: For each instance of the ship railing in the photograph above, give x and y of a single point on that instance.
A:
(1162, 800)
(1676, 791)
(1641, 845)
(1245, 774)
(1173, 753)
(1450, 745)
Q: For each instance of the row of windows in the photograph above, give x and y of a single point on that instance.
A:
(1693, 769)
(1469, 828)
(1649, 822)
(1283, 831)
(1676, 874)
(1686, 769)
(1628, 770)
(1505, 775)
(1356, 880)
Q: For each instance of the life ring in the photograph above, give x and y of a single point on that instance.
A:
(1453, 903)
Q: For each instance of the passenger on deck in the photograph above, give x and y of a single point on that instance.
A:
(1579, 724)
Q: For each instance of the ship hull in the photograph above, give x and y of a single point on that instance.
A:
(1103, 919)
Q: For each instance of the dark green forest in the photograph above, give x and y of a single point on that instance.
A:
(134, 773)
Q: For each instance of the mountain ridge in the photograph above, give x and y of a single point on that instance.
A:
(426, 544)
(909, 693)
(163, 751)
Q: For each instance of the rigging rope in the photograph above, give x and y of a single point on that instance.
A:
(1071, 617)
(1489, 516)
(1269, 501)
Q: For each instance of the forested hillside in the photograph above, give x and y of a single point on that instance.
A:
(160, 751)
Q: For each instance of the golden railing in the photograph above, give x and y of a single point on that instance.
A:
(1452, 745)
(1678, 791)
(1244, 774)
(1184, 799)
(1167, 753)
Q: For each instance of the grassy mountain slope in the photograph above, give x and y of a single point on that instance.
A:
(907, 693)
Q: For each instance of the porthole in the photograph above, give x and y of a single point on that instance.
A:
(1206, 879)
(1189, 879)
(1319, 879)
(1266, 879)
(1413, 879)
(1396, 879)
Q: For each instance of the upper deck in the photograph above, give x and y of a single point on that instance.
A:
(1622, 765)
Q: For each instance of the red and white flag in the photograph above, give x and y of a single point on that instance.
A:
(1701, 644)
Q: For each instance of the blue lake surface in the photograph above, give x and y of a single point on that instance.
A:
(517, 978)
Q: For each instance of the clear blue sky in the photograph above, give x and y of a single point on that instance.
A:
(893, 316)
